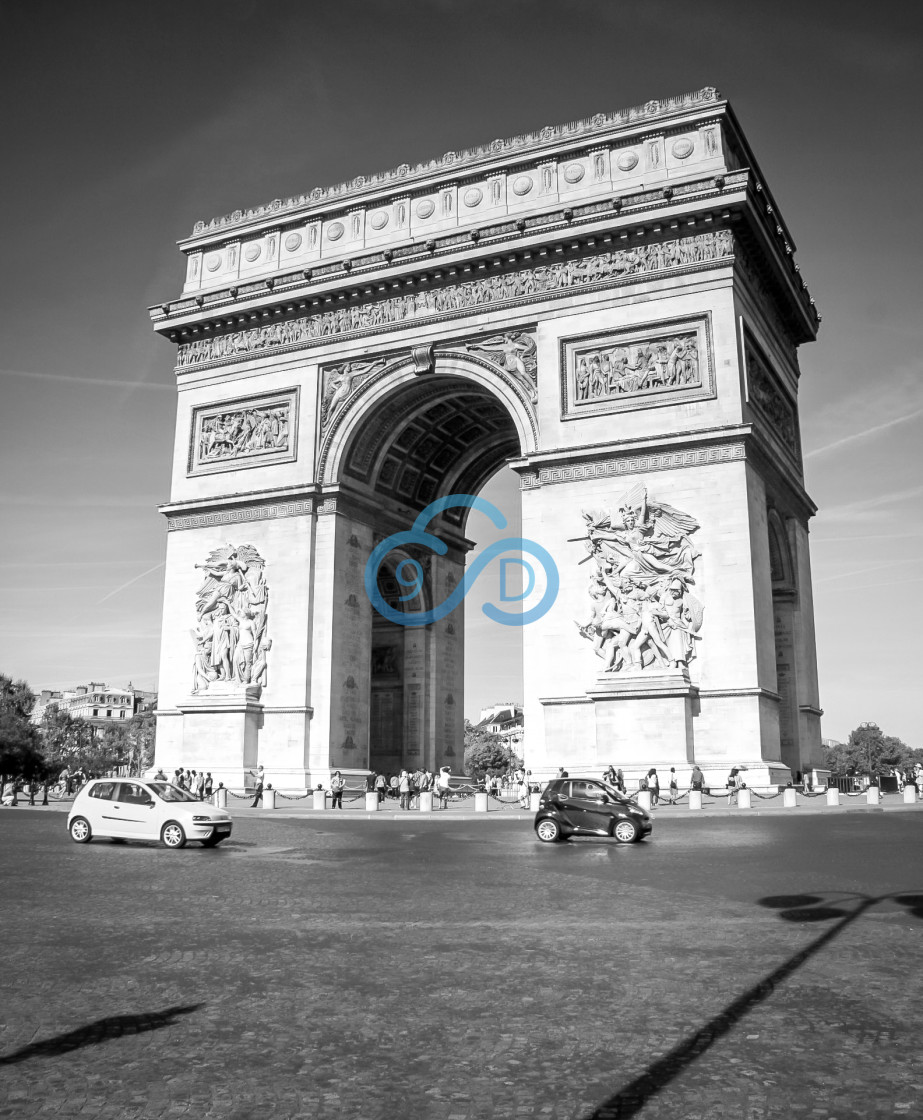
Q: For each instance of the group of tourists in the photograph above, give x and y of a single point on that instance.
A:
(199, 784)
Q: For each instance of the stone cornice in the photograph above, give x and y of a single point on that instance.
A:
(256, 505)
(591, 130)
(638, 456)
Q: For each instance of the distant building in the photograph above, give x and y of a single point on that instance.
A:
(97, 703)
(506, 721)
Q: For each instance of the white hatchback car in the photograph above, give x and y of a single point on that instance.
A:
(124, 809)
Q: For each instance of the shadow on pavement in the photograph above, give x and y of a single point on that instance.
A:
(805, 909)
(113, 1026)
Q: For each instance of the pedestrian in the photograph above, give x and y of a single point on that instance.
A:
(674, 786)
(403, 787)
(620, 780)
(524, 791)
(697, 779)
(65, 777)
(733, 783)
(370, 782)
(337, 782)
(260, 776)
(653, 783)
(209, 785)
(381, 787)
(160, 776)
(442, 786)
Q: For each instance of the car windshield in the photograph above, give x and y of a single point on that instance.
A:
(614, 793)
(167, 792)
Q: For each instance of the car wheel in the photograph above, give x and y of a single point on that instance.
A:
(80, 830)
(548, 831)
(626, 831)
(172, 835)
(213, 841)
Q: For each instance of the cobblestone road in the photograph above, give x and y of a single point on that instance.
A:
(390, 969)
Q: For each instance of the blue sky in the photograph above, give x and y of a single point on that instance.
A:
(127, 123)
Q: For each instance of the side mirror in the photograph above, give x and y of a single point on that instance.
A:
(149, 803)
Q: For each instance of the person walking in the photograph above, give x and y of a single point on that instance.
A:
(442, 786)
(674, 786)
(697, 779)
(337, 783)
(381, 787)
(200, 786)
(403, 788)
(260, 776)
(733, 783)
(653, 784)
(524, 789)
(209, 785)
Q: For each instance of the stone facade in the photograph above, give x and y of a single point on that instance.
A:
(611, 308)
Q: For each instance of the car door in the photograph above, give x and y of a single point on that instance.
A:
(103, 809)
(590, 805)
(136, 811)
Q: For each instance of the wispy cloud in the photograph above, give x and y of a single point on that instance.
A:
(865, 433)
(82, 501)
(125, 586)
(866, 570)
(867, 508)
(76, 379)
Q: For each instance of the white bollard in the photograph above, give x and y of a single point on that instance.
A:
(695, 799)
(643, 797)
(534, 802)
(318, 799)
(790, 798)
(833, 795)
(743, 799)
(426, 801)
(872, 795)
(371, 802)
(480, 802)
(269, 799)
(221, 798)
(910, 794)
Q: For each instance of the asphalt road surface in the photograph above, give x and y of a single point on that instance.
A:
(742, 968)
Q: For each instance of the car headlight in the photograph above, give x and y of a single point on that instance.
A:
(201, 818)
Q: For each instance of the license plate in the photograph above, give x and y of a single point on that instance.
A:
(223, 828)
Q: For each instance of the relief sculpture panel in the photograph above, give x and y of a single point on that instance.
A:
(616, 371)
(643, 613)
(243, 433)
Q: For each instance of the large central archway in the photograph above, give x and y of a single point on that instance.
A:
(404, 440)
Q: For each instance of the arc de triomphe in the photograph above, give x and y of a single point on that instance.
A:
(612, 309)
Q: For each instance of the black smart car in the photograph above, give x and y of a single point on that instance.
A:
(585, 807)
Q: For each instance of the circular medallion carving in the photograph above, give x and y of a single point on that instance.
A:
(683, 147)
(473, 197)
(378, 220)
(252, 253)
(425, 208)
(574, 173)
(627, 160)
(335, 231)
(213, 262)
(522, 185)
(293, 242)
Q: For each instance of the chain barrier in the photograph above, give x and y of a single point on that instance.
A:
(516, 803)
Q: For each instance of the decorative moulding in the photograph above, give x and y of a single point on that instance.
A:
(247, 432)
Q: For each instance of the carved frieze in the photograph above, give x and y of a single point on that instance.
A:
(231, 642)
(618, 370)
(600, 268)
(769, 399)
(643, 614)
(341, 382)
(248, 432)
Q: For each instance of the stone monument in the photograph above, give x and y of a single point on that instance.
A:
(611, 308)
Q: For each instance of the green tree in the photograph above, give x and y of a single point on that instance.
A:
(868, 749)
(485, 751)
(20, 753)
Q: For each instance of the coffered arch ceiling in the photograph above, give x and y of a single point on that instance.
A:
(431, 437)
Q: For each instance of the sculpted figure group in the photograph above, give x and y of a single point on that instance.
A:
(666, 363)
(247, 431)
(458, 297)
(230, 639)
(643, 613)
